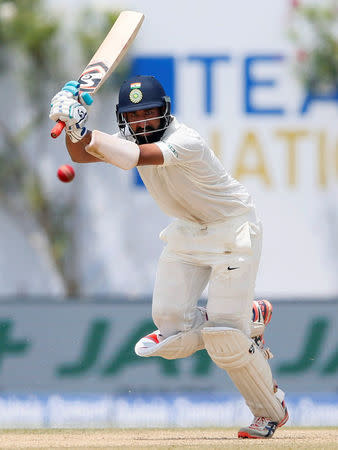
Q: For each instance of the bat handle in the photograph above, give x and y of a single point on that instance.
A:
(57, 130)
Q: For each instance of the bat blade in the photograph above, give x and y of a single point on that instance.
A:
(107, 56)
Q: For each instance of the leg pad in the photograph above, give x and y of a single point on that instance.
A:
(239, 356)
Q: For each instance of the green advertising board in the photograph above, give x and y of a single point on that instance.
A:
(78, 347)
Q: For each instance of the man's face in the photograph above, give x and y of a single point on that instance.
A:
(146, 120)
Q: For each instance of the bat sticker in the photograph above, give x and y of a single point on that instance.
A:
(90, 79)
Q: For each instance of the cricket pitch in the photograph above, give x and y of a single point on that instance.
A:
(173, 438)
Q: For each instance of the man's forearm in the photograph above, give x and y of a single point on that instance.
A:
(77, 150)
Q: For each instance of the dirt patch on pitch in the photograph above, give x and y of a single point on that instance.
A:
(288, 438)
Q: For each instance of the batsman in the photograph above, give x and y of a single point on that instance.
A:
(214, 239)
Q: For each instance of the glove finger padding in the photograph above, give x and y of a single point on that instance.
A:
(84, 98)
(61, 97)
(68, 110)
(69, 93)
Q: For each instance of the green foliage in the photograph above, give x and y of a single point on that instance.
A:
(52, 215)
(30, 34)
(314, 31)
(92, 27)
(12, 167)
(30, 45)
(17, 178)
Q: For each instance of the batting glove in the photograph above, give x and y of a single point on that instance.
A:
(85, 98)
(70, 107)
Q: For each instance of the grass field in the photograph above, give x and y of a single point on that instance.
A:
(193, 438)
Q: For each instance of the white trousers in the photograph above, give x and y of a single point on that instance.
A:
(225, 255)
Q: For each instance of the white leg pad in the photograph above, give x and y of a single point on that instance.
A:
(179, 345)
(236, 353)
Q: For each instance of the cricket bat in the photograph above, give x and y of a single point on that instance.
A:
(108, 56)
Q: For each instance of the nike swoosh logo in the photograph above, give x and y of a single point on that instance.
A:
(232, 268)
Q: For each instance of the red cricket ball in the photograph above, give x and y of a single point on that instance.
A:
(66, 173)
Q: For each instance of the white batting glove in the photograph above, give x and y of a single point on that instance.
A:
(68, 107)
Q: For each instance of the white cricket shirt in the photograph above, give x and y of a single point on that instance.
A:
(192, 184)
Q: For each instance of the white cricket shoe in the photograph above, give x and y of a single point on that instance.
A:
(263, 427)
(152, 340)
(261, 311)
(148, 342)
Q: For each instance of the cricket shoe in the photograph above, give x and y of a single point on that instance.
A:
(263, 427)
(262, 312)
(152, 339)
